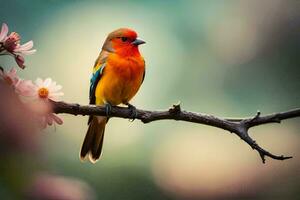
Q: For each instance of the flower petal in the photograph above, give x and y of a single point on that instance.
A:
(49, 119)
(4, 31)
(51, 86)
(29, 52)
(20, 61)
(25, 88)
(25, 47)
(47, 82)
(43, 122)
(12, 72)
(55, 88)
(55, 96)
(57, 119)
(39, 82)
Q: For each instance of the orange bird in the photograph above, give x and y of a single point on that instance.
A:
(118, 74)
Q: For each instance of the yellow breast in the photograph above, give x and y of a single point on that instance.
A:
(120, 80)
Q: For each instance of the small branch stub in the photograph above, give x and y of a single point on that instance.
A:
(256, 116)
(175, 109)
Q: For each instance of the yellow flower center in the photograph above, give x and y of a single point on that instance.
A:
(43, 92)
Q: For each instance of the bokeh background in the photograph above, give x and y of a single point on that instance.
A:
(226, 58)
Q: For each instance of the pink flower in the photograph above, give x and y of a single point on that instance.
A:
(41, 91)
(47, 89)
(11, 45)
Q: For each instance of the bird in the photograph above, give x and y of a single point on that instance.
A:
(118, 73)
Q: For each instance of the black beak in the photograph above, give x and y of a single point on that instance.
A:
(138, 42)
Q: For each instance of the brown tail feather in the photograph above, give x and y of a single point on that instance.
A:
(93, 140)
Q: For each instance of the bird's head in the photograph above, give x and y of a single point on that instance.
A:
(123, 41)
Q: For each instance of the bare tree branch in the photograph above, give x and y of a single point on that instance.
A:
(238, 126)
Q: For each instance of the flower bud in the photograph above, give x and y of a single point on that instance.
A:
(20, 61)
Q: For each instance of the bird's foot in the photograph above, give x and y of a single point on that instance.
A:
(133, 111)
(107, 109)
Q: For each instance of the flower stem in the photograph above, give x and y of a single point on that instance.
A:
(5, 54)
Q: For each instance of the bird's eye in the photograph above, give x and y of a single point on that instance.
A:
(124, 39)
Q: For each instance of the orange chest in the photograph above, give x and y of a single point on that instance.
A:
(126, 70)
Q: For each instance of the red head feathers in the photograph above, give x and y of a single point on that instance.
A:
(124, 42)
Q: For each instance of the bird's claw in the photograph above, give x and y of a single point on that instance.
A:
(133, 111)
(107, 109)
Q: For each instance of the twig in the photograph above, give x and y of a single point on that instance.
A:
(238, 126)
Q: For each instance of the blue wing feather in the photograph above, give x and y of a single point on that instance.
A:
(96, 76)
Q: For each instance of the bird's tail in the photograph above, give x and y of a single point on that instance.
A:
(93, 141)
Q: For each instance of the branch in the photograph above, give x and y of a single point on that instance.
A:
(238, 126)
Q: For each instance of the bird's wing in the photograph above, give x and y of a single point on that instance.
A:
(97, 74)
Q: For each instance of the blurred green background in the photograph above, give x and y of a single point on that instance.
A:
(226, 58)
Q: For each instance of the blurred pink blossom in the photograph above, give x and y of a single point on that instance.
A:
(47, 186)
(22, 87)
(18, 127)
(10, 77)
(25, 88)
(41, 92)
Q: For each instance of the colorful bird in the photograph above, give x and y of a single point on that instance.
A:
(118, 74)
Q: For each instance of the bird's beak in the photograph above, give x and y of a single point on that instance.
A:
(138, 42)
